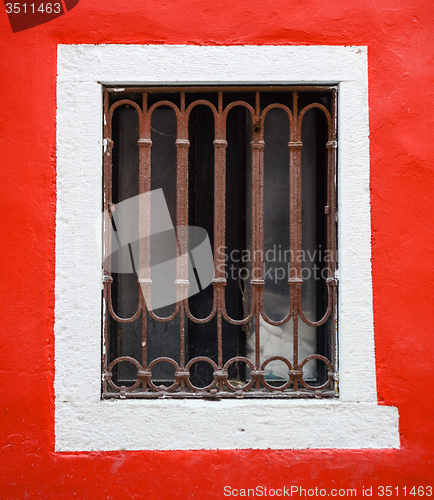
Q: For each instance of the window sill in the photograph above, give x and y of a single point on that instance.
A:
(224, 425)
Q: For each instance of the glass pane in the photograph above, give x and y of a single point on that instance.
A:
(202, 338)
(276, 340)
(125, 338)
(314, 233)
(163, 337)
(237, 252)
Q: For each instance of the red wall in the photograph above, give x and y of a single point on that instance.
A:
(400, 37)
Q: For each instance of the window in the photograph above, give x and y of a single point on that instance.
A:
(255, 167)
(85, 421)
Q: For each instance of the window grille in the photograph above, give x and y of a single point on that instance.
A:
(255, 167)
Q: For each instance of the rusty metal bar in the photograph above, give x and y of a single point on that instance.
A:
(182, 145)
(217, 88)
(220, 145)
(108, 147)
(257, 145)
(295, 225)
(332, 182)
(144, 274)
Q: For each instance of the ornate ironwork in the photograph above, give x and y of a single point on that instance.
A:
(256, 385)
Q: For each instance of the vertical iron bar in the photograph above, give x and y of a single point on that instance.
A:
(182, 145)
(295, 227)
(144, 277)
(332, 222)
(108, 148)
(257, 146)
(220, 145)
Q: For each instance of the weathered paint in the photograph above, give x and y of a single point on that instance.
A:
(399, 36)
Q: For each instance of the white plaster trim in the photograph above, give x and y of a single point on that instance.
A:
(83, 421)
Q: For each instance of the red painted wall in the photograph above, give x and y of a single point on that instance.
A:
(400, 37)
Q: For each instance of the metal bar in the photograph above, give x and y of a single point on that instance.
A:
(257, 282)
(108, 146)
(333, 231)
(295, 226)
(144, 274)
(182, 145)
(306, 394)
(220, 145)
(221, 88)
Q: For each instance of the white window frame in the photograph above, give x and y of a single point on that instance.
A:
(83, 421)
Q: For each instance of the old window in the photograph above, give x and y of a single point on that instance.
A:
(255, 168)
(83, 420)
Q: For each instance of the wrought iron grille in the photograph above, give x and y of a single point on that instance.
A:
(255, 166)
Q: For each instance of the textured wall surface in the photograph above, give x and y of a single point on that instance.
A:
(400, 40)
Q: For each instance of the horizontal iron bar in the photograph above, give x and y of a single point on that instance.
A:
(220, 395)
(163, 89)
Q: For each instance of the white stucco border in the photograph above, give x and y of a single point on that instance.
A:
(84, 422)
